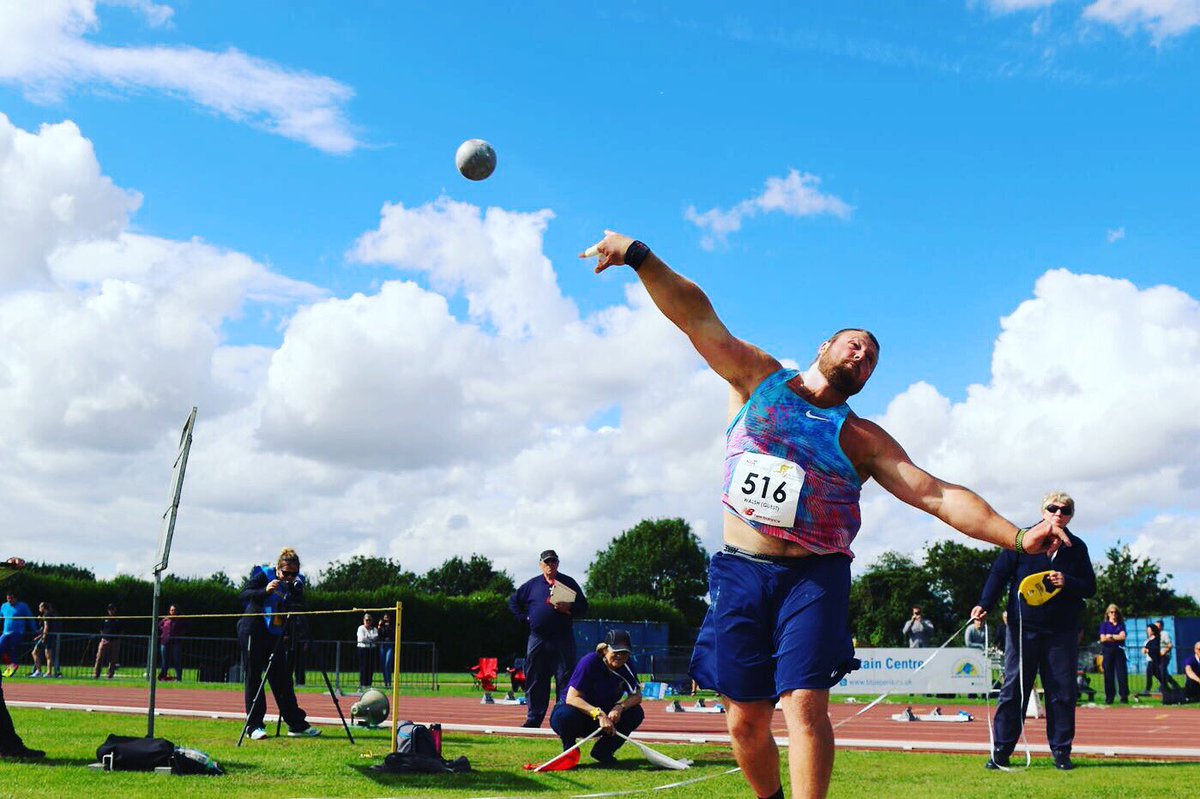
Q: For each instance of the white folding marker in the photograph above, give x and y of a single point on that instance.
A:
(657, 758)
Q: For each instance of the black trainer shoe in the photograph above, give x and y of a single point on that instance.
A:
(997, 761)
(530, 723)
(23, 755)
(1062, 761)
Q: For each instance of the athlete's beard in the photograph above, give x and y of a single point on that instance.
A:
(842, 376)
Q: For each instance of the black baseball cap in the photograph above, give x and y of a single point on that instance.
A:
(618, 641)
(548, 554)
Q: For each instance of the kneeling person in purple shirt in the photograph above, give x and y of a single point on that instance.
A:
(603, 692)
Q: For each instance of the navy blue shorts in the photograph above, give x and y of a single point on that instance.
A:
(774, 626)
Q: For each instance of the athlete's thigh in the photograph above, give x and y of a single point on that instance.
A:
(812, 634)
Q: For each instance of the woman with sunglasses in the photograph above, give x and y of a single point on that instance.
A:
(1112, 648)
(1043, 639)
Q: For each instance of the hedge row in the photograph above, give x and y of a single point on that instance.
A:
(462, 627)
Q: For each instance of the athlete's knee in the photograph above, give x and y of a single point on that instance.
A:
(749, 721)
(807, 712)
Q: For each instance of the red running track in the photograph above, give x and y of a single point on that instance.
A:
(1123, 731)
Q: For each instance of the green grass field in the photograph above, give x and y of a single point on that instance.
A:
(330, 766)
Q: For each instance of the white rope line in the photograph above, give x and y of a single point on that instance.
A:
(666, 787)
(1021, 704)
(928, 660)
(183, 616)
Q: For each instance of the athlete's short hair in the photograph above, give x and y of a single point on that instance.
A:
(869, 334)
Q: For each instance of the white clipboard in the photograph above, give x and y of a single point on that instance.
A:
(560, 593)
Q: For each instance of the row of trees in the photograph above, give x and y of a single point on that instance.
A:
(663, 561)
(455, 577)
(658, 559)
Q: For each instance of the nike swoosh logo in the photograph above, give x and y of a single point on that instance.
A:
(812, 415)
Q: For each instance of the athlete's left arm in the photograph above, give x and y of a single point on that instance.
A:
(876, 454)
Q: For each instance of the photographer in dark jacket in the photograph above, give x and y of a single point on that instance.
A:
(272, 591)
(1042, 639)
(551, 648)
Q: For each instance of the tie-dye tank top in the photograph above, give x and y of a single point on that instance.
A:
(775, 432)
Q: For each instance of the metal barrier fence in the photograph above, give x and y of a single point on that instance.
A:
(217, 660)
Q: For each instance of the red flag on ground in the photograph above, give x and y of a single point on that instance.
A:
(564, 762)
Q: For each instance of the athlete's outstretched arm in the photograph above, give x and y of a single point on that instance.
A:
(882, 457)
(683, 302)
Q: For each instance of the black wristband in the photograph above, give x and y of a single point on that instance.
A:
(636, 253)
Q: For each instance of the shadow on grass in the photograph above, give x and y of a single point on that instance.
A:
(583, 778)
(490, 781)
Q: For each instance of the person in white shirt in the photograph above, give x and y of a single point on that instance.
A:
(368, 640)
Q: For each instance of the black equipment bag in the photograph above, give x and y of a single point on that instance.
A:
(417, 752)
(130, 753)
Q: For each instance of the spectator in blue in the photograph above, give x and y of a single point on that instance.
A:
(604, 692)
(551, 647)
(1112, 649)
(269, 596)
(387, 648)
(11, 745)
(18, 623)
(1042, 639)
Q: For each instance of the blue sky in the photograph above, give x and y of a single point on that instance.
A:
(943, 166)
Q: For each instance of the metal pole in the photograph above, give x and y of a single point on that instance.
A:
(164, 553)
(151, 659)
(396, 675)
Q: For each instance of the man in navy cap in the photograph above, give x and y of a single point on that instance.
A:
(549, 609)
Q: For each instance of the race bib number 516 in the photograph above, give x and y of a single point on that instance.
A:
(766, 489)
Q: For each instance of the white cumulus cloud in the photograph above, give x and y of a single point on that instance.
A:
(1162, 19)
(44, 49)
(1093, 391)
(797, 195)
(467, 405)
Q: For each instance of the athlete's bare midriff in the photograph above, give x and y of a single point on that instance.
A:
(741, 535)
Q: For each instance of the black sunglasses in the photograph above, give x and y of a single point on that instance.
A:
(1067, 510)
